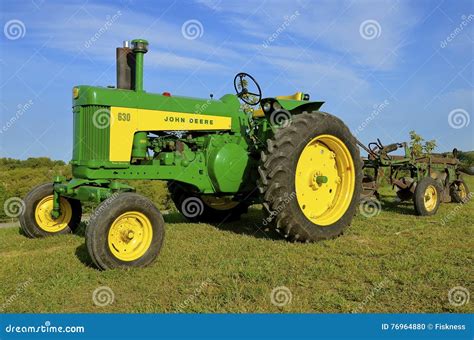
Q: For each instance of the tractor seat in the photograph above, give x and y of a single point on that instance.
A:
(297, 96)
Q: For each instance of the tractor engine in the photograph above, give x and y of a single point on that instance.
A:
(225, 157)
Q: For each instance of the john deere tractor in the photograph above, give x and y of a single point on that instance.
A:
(219, 156)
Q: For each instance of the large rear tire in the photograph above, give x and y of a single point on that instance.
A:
(126, 230)
(311, 177)
(36, 220)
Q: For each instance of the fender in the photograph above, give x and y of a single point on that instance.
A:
(298, 106)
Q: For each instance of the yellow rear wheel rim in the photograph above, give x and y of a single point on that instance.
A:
(430, 197)
(130, 236)
(43, 217)
(325, 180)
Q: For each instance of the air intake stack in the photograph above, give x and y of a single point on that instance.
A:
(139, 48)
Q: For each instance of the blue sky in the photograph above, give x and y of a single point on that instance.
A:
(384, 67)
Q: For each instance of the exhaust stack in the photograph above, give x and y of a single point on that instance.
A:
(125, 67)
(130, 64)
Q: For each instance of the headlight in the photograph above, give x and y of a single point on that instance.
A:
(267, 106)
(75, 92)
(276, 106)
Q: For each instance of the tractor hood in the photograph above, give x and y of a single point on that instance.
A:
(94, 95)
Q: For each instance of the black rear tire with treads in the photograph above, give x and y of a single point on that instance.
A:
(277, 176)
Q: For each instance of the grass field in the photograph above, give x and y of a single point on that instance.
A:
(392, 262)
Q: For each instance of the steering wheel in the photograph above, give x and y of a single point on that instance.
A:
(380, 145)
(241, 88)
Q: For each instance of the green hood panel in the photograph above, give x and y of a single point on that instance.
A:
(89, 95)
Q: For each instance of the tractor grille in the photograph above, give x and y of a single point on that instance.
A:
(91, 134)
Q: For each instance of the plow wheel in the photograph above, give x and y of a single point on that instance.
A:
(459, 191)
(311, 177)
(205, 208)
(427, 197)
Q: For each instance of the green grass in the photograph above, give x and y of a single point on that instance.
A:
(393, 262)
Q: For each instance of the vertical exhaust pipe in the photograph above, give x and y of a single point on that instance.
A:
(139, 48)
(125, 67)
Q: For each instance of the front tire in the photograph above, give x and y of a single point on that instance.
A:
(36, 220)
(427, 197)
(311, 178)
(126, 230)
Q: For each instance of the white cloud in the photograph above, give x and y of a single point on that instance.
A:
(111, 25)
(331, 25)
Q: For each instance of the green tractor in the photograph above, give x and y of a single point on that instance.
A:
(218, 156)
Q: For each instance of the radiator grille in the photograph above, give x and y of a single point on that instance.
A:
(91, 133)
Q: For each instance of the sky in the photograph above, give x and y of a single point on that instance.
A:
(383, 67)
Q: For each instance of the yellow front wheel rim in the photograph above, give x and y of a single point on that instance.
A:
(325, 180)
(130, 236)
(430, 197)
(43, 217)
